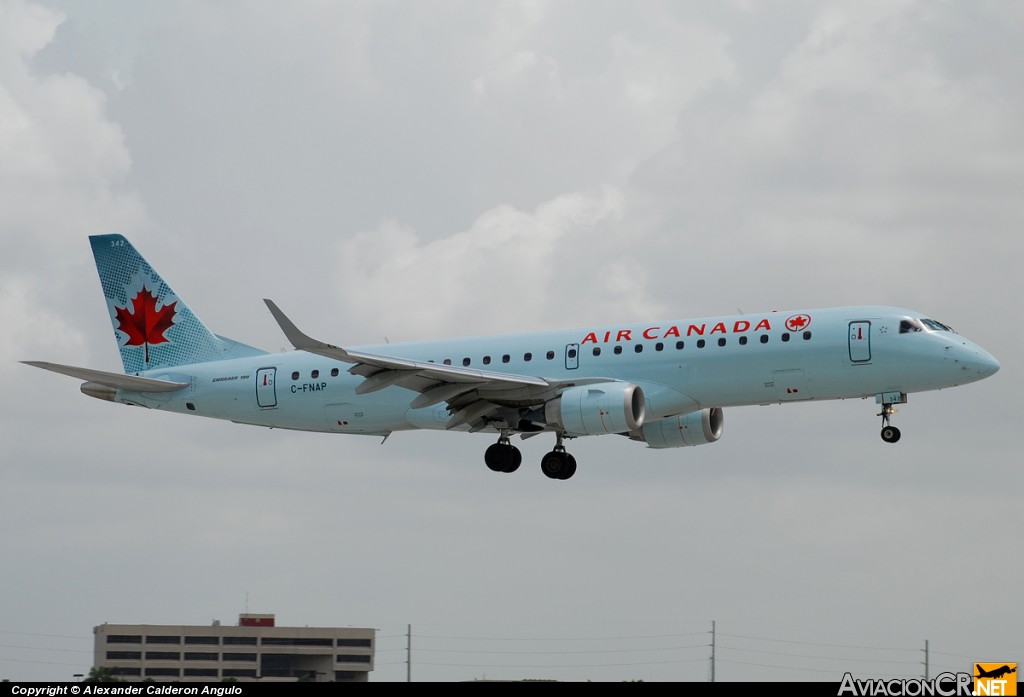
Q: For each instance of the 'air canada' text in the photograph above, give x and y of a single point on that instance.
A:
(738, 327)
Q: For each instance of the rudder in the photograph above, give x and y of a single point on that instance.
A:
(153, 326)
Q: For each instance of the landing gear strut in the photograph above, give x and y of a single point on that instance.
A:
(558, 464)
(890, 434)
(503, 456)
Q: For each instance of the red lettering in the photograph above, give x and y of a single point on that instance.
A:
(648, 335)
(672, 331)
(720, 328)
(607, 335)
(763, 324)
(693, 328)
(741, 325)
(591, 338)
(623, 335)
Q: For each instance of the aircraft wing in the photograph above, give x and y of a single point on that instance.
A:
(472, 394)
(115, 380)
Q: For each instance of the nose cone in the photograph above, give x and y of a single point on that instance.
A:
(987, 364)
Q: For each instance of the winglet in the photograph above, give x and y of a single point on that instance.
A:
(298, 338)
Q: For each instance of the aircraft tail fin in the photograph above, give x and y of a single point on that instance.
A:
(154, 327)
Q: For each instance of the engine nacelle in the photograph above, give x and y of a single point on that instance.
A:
(695, 428)
(590, 410)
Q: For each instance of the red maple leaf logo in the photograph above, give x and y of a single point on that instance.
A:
(798, 322)
(145, 324)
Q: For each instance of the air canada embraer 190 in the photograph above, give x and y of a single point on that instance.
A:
(660, 383)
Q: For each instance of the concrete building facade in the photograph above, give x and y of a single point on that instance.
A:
(255, 649)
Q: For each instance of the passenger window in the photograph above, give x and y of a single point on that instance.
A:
(527, 356)
(597, 350)
(465, 361)
(659, 346)
(506, 358)
(551, 354)
(487, 360)
(807, 336)
(721, 341)
(618, 350)
(701, 343)
(639, 348)
(315, 374)
(743, 341)
(785, 336)
(295, 375)
(764, 338)
(679, 345)
(447, 361)
(572, 354)
(334, 372)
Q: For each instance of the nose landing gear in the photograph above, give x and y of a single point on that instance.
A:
(890, 434)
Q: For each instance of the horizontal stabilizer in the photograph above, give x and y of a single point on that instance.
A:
(115, 380)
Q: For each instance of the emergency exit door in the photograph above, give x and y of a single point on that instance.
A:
(266, 392)
(572, 356)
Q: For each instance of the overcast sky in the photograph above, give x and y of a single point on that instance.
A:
(409, 170)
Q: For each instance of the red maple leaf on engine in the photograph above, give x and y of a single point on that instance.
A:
(145, 324)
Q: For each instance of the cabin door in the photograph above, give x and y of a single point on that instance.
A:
(860, 342)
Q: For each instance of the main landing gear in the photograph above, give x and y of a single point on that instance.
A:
(890, 434)
(505, 457)
(558, 464)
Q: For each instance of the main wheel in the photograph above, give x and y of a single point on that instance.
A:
(570, 466)
(515, 459)
(555, 464)
(503, 457)
(890, 434)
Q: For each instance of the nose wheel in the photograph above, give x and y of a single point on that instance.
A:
(890, 434)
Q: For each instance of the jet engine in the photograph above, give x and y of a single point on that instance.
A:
(590, 410)
(695, 428)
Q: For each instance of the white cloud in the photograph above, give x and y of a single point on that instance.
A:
(62, 161)
(502, 274)
(30, 329)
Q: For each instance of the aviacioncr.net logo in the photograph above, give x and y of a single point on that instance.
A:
(942, 685)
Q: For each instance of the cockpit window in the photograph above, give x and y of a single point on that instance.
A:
(937, 326)
(908, 326)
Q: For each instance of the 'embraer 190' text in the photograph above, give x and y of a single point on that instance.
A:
(738, 327)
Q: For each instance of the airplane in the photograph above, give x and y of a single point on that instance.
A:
(662, 383)
(996, 673)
